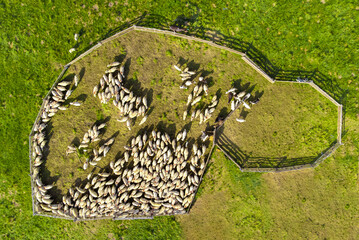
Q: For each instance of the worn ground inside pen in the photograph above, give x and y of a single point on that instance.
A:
(290, 119)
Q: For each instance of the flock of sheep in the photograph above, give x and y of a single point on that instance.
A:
(196, 96)
(156, 175)
(43, 201)
(112, 86)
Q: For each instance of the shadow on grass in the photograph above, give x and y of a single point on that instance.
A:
(165, 127)
(46, 176)
(246, 161)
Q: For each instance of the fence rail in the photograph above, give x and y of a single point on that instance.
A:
(207, 161)
(250, 55)
(103, 218)
(278, 75)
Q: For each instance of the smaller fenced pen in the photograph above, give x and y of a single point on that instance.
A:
(246, 163)
(252, 56)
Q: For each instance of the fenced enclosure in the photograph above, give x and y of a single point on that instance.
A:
(257, 60)
(132, 216)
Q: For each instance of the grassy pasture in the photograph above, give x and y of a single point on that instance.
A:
(34, 40)
(149, 60)
(318, 203)
(291, 125)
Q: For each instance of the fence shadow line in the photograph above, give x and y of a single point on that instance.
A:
(246, 161)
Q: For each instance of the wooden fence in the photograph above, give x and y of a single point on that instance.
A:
(249, 54)
(257, 68)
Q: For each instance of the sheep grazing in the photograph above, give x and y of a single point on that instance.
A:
(76, 80)
(204, 137)
(240, 120)
(246, 105)
(77, 104)
(177, 68)
(189, 100)
(230, 97)
(178, 29)
(68, 93)
(114, 64)
(233, 105)
(205, 89)
(188, 83)
(248, 95)
(241, 94)
(196, 100)
(143, 120)
(128, 104)
(185, 115)
(186, 76)
(232, 90)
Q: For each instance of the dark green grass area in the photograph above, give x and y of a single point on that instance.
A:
(291, 125)
(35, 37)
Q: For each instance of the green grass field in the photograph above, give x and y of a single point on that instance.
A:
(315, 203)
(308, 109)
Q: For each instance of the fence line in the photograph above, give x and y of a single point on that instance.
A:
(207, 161)
(244, 57)
(253, 65)
(211, 43)
(239, 166)
(281, 169)
(315, 86)
(258, 69)
(48, 93)
(52, 216)
(123, 32)
(99, 44)
(340, 124)
(340, 110)
(226, 118)
(285, 169)
(157, 22)
(103, 218)
(326, 95)
(326, 154)
(154, 30)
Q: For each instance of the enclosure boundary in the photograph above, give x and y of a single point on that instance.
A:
(207, 161)
(246, 59)
(239, 166)
(257, 68)
(253, 65)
